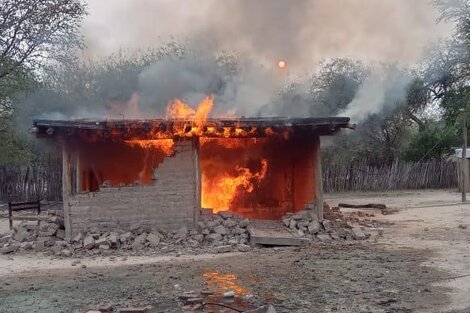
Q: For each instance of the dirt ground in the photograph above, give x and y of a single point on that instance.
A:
(418, 264)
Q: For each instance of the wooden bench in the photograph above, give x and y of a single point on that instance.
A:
(23, 206)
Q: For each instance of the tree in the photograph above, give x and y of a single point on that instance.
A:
(33, 30)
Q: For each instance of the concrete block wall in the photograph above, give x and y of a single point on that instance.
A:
(169, 202)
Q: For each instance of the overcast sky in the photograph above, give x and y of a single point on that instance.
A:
(300, 31)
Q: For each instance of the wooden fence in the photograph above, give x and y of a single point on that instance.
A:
(399, 175)
(38, 180)
(43, 179)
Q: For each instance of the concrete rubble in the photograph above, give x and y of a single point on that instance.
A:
(214, 233)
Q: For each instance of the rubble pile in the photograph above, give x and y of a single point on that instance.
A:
(218, 233)
(305, 224)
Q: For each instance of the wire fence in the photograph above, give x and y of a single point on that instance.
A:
(399, 175)
(41, 179)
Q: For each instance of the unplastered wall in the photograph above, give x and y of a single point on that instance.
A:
(169, 202)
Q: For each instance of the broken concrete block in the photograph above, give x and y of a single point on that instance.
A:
(65, 253)
(28, 245)
(225, 215)
(199, 238)
(238, 230)
(21, 235)
(358, 234)
(313, 227)
(153, 240)
(104, 247)
(243, 248)
(60, 234)
(293, 224)
(101, 241)
(137, 246)
(244, 223)
(213, 237)
(125, 237)
(323, 237)
(229, 223)
(326, 224)
(89, 242)
(113, 240)
(39, 246)
(106, 308)
(181, 233)
(286, 221)
(79, 237)
(142, 238)
(223, 249)
(220, 230)
(133, 310)
(9, 249)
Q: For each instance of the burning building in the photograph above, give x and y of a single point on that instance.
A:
(165, 172)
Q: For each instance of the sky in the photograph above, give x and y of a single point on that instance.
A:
(302, 32)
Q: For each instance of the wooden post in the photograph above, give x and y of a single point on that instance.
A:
(197, 172)
(464, 162)
(317, 179)
(66, 190)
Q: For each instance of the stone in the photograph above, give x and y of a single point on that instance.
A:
(286, 221)
(313, 227)
(244, 223)
(212, 224)
(113, 240)
(300, 233)
(225, 215)
(243, 248)
(293, 224)
(153, 240)
(181, 233)
(220, 230)
(205, 231)
(229, 223)
(358, 234)
(9, 249)
(125, 237)
(65, 253)
(238, 230)
(79, 237)
(213, 237)
(101, 241)
(104, 247)
(326, 225)
(199, 238)
(137, 246)
(28, 245)
(142, 238)
(133, 310)
(323, 237)
(106, 308)
(60, 234)
(223, 249)
(89, 242)
(21, 234)
(39, 246)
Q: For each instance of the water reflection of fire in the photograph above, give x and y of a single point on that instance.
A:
(220, 283)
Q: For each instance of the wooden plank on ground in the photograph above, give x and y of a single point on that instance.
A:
(273, 233)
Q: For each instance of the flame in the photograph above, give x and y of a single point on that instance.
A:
(223, 282)
(166, 145)
(223, 189)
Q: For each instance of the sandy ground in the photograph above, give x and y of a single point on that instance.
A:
(418, 265)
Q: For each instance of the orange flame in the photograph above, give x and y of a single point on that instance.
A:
(221, 283)
(166, 145)
(225, 188)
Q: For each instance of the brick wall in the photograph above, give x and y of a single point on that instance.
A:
(169, 202)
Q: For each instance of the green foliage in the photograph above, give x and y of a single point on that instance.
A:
(435, 142)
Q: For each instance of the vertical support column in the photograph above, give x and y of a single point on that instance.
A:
(318, 179)
(197, 179)
(78, 174)
(66, 190)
